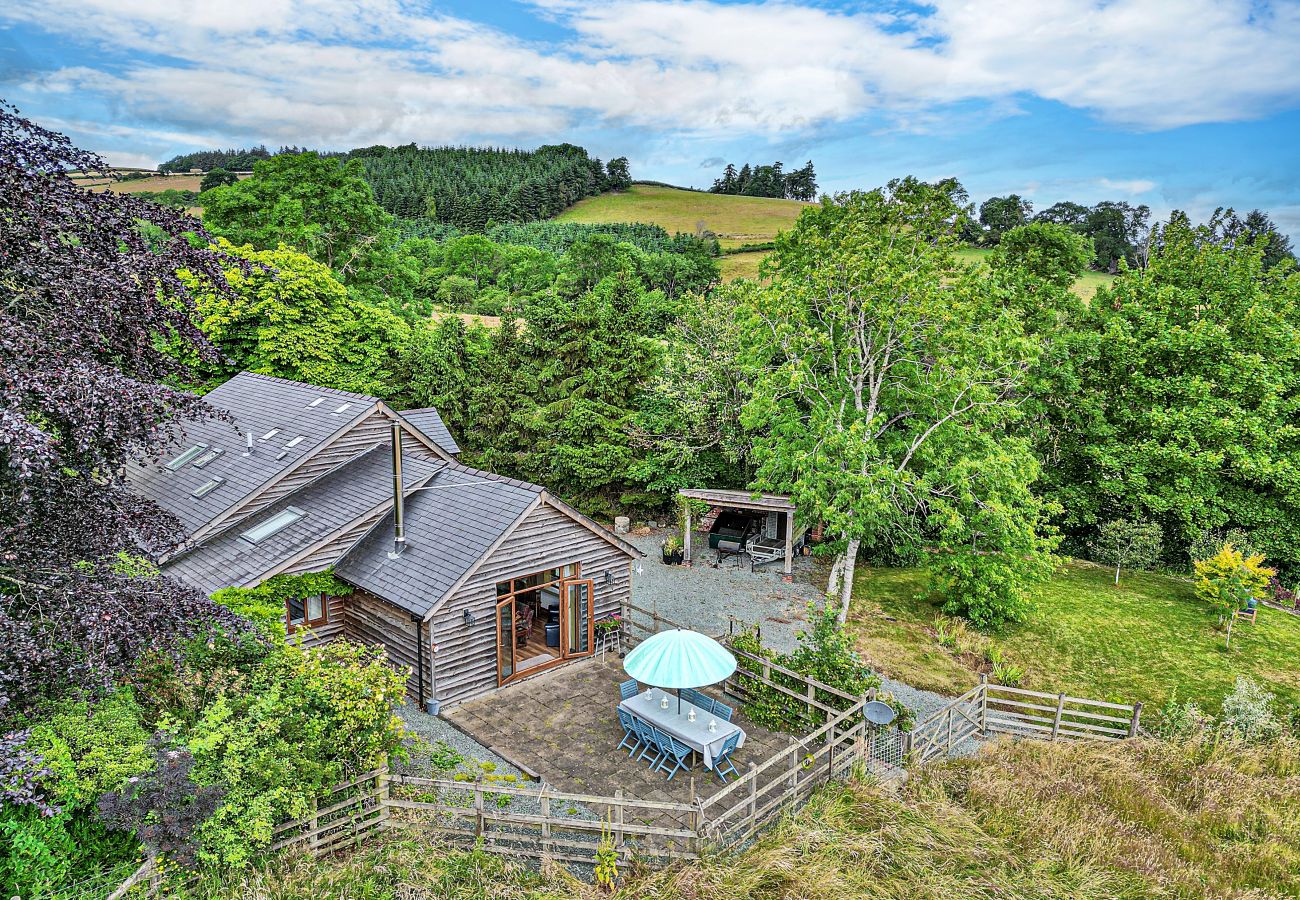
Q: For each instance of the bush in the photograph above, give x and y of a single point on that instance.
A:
(986, 588)
(305, 721)
(1248, 712)
(824, 653)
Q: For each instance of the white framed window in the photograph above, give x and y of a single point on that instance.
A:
(273, 525)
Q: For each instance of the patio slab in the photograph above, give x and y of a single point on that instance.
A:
(563, 726)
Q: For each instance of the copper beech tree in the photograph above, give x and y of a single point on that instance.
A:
(89, 283)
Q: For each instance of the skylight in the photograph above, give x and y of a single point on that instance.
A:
(296, 441)
(341, 408)
(207, 458)
(273, 525)
(317, 402)
(186, 457)
(207, 488)
(270, 434)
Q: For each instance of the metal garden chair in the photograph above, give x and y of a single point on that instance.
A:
(631, 737)
(722, 711)
(722, 764)
(629, 689)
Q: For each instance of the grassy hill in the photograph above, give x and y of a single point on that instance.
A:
(735, 220)
(1143, 640)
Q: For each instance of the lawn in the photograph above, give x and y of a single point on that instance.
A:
(741, 265)
(735, 220)
(1085, 286)
(1141, 641)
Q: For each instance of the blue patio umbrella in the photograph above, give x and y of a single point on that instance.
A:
(679, 659)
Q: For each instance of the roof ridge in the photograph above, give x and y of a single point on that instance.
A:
(494, 476)
(315, 387)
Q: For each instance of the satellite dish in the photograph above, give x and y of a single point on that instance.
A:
(878, 713)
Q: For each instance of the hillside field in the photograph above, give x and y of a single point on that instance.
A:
(1085, 286)
(735, 220)
(1141, 641)
(146, 185)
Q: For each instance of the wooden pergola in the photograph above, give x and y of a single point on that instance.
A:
(748, 500)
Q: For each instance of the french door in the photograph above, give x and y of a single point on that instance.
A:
(576, 629)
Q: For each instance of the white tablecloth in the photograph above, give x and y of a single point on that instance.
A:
(695, 735)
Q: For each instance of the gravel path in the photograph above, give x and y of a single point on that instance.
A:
(704, 595)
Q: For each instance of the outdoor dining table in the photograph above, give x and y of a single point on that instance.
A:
(696, 735)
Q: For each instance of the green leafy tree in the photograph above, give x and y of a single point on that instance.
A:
(217, 178)
(1184, 404)
(618, 174)
(1118, 232)
(999, 215)
(884, 410)
(318, 206)
(1124, 542)
(288, 316)
(1049, 252)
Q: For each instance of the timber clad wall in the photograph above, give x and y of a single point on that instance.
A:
(369, 620)
(465, 662)
(332, 628)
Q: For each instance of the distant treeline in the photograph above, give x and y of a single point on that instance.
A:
(468, 187)
(558, 237)
(233, 160)
(1118, 229)
(768, 181)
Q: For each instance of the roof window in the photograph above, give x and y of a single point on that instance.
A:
(315, 403)
(296, 441)
(270, 434)
(341, 408)
(208, 457)
(185, 457)
(273, 525)
(207, 488)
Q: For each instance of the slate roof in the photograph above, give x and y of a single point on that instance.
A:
(258, 404)
(450, 523)
(428, 422)
(330, 503)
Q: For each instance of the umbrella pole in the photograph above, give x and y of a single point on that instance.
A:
(679, 701)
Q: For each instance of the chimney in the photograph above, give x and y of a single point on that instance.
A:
(249, 444)
(399, 513)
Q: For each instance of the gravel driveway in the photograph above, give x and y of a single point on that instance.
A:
(704, 595)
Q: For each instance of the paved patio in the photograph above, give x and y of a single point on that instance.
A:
(562, 725)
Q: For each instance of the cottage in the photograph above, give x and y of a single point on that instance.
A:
(469, 579)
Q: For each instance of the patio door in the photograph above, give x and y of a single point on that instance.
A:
(505, 639)
(576, 624)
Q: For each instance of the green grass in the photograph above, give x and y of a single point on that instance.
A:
(735, 220)
(1085, 286)
(1141, 641)
(1028, 819)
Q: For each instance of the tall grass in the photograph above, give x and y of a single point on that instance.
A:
(1199, 817)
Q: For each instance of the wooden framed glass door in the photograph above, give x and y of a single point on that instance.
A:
(505, 640)
(576, 625)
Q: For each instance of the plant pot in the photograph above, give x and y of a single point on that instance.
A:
(673, 557)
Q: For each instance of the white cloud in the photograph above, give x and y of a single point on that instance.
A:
(339, 73)
(1129, 186)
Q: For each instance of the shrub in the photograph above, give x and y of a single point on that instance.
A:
(305, 720)
(1248, 712)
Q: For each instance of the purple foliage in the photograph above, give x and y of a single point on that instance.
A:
(91, 291)
(165, 806)
(21, 772)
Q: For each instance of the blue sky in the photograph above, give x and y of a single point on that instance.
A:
(1190, 104)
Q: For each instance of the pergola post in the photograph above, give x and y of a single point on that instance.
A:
(686, 536)
(789, 543)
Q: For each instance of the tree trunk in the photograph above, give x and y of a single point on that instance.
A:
(837, 571)
(846, 587)
(1116, 576)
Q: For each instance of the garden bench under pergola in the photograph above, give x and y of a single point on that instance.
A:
(745, 500)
